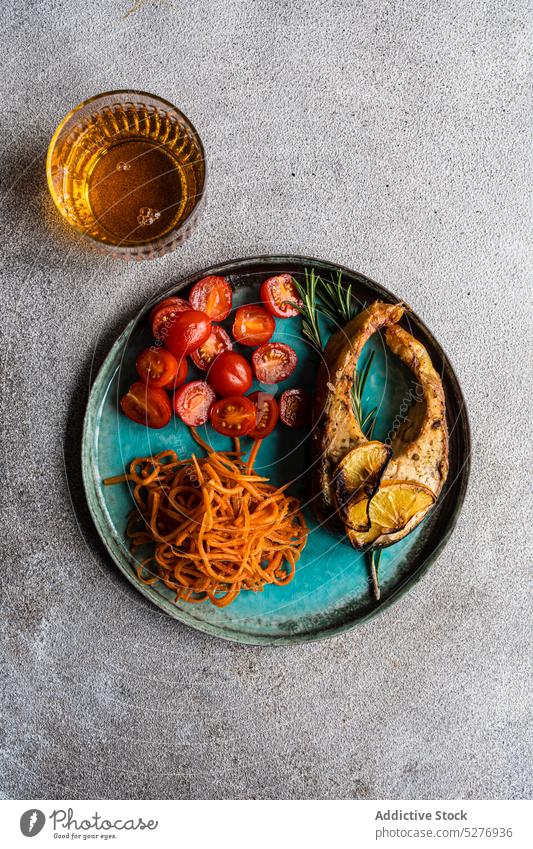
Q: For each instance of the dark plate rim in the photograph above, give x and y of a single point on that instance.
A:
(111, 539)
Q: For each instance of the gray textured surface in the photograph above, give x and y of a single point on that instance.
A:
(391, 137)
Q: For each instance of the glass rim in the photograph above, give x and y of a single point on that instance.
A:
(144, 247)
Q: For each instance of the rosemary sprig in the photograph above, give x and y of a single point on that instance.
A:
(309, 310)
(336, 301)
(367, 422)
(333, 300)
(324, 297)
(375, 559)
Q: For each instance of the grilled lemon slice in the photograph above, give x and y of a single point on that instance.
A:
(356, 479)
(397, 502)
(392, 507)
(356, 516)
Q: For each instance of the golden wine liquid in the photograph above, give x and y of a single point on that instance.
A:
(128, 174)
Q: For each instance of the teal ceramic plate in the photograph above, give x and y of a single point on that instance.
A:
(331, 591)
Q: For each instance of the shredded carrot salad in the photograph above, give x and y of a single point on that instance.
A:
(217, 527)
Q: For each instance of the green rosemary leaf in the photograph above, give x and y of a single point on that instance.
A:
(370, 432)
(369, 418)
(356, 400)
(366, 423)
(327, 306)
(308, 308)
(336, 300)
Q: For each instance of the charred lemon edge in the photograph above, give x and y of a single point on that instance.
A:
(346, 496)
(372, 536)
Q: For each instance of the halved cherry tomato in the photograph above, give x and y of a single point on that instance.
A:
(278, 293)
(164, 313)
(233, 416)
(230, 374)
(295, 407)
(253, 325)
(274, 362)
(181, 376)
(193, 401)
(146, 405)
(212, 295)
(157, 367)
(188, 331)
(266, 414)
(218, 341)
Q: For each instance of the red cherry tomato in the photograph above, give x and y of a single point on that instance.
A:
(218, 341)
(193, 401)
(164, 313)
(233, 416)
(274, 362)
(230, 374)
(253, 325)
(212, 295)
(157, 367)
(295, 408)
(146, 405)
(188, 331)
(278, 293)
(181, 376)
(266, 414)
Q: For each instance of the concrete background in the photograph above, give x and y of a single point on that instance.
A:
(391, 137)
